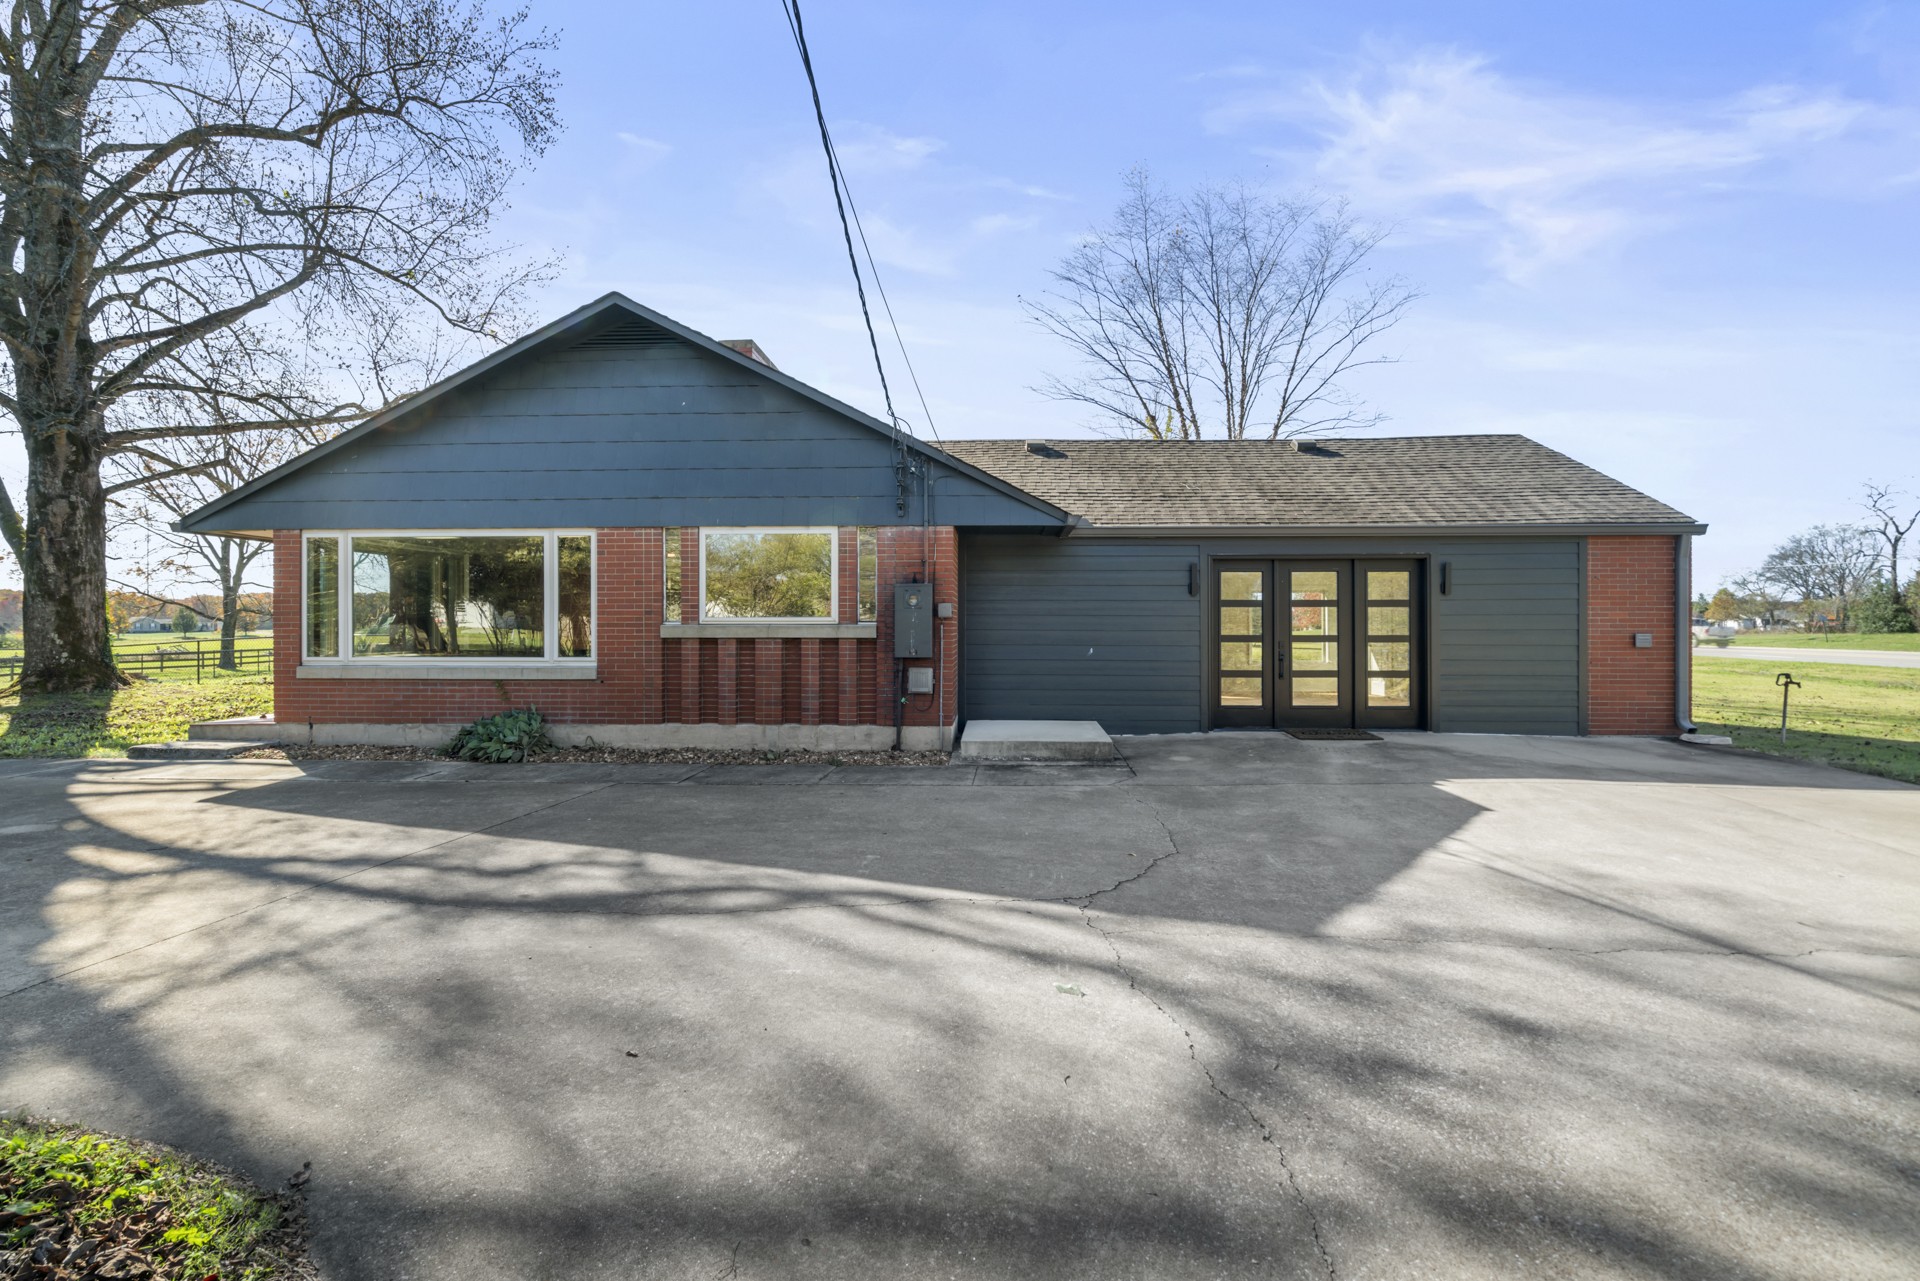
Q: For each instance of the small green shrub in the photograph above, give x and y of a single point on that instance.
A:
(502, 738)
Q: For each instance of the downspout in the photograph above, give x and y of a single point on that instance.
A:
(1683, 632)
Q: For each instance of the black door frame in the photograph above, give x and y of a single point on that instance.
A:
(1352, 709)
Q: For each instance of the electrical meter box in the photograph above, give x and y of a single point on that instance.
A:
(913, 620)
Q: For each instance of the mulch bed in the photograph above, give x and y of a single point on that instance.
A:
(102, 1219)
(610, 756)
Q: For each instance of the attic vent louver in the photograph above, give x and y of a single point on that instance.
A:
(1041, 449)
(625, 335)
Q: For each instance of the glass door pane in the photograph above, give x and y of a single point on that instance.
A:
(1315, 684)
(1390, 646)
(1313, 606)
(1242, 650)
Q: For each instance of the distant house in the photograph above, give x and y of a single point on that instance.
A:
(151, 623)
(662, 540)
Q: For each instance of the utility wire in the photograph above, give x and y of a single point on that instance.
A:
(887, 303)
(843, 202)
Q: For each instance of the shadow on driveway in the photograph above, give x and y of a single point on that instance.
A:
(1258, 1008)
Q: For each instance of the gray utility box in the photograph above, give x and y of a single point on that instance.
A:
(913, 620)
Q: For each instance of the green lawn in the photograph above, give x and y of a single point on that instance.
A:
(1860, 718)
(145, 712)
(1907, 641)
(148, 641)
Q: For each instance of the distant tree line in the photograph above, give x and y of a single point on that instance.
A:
(1850, 577)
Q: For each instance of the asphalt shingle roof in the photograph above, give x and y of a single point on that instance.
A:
(1364, 481)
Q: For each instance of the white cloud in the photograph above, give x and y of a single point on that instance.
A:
(1442, 141)
(638, 153)
(922, 211)
(871, 149)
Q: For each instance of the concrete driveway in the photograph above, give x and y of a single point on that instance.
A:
(1240, 1007)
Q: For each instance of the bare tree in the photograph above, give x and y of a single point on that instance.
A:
(1229, 313)
(180, 181)
(197, 470)
(1883, 503)
(1834, 563)
(1759, 596)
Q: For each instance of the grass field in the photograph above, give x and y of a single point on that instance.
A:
(1860, 718)
(1903, 641)
(149, 641)
(107, 724)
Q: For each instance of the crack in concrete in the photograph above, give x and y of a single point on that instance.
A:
(1173, 847)
(1259, 1123)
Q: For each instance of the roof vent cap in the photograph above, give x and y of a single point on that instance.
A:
(1041, 449)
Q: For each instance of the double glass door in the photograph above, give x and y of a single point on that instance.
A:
(1317, 643)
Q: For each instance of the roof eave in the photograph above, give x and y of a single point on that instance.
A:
(1559, 530)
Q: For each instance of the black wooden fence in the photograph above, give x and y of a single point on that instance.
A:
(197, 660)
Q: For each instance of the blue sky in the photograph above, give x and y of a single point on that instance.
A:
(1674, 240)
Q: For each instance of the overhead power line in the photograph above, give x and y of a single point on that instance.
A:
(844, 204)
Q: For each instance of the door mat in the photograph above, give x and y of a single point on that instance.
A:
(1338, 735)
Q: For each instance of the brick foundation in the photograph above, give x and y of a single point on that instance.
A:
(1630, 590)
(839, 691)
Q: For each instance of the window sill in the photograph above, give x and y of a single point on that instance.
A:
(769, 631)
(425, 671)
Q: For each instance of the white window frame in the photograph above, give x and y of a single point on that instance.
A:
(550, 591)
(832, 616)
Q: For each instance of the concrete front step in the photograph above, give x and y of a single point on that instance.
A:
(1036, 741)
(193, 750)
(252, 728)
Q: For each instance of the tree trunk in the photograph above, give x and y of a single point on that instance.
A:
(229, 618)
(68, 643)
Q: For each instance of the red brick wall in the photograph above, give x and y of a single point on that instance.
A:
(1630, 586)
(645, 680)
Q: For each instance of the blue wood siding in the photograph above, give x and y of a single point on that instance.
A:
(1087, 629)
(666, 434)
(1092, 629)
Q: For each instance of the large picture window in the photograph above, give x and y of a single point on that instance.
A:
(778, 575)
(490, 596)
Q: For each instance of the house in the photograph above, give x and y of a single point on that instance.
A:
(659, 539)
(151, 623)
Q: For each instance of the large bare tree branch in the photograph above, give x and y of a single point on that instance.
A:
(271, 208)
(1222, 314)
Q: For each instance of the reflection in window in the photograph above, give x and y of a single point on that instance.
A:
(1239, 620)
(768, 574)
(576, 597)
(1316, 656)
(1316, 584)
(1388, 620)
(670, 572)
(1240, 691)
(867, 590)
(1240, 656)
(1389, 691)
(449, 597)
(323, 598)
(1316, 691)
(1389, 584)
(1388, 656)
(1315, 620)
(1238, 584)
